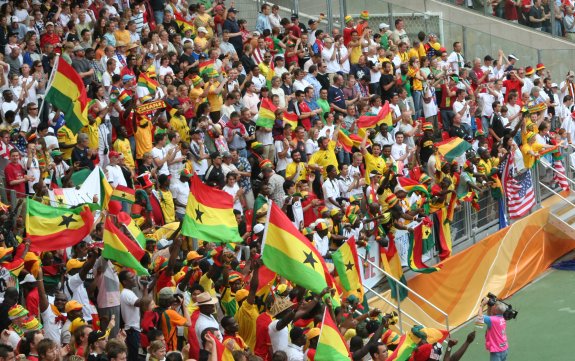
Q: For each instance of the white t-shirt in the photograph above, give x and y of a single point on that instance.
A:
(115, 176)
(279, 339)
(457, 107)
(34, 170)
(398, 150)
(52, 329)
(180, 192)
(161, 154)
(76, 285)
(28, 123)
(233, 191)
(330, 190)
(130, 313)
(332, 65)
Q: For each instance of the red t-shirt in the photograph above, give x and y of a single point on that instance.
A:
(347, 35)
(33, 303)
(263, 341)
(446, 102)
(512, 85)
(14, 172)
(304, 108)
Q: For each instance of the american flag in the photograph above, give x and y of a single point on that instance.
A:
(518, 190)
(559, 176)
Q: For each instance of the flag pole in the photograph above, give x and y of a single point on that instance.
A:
(266, 225)
(50, 81)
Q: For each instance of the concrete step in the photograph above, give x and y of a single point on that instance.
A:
(567, 228)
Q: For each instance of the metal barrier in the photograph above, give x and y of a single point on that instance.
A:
(399, 284)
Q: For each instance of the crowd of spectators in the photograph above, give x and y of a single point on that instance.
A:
(212, 70)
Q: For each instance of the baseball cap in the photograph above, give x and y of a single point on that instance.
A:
(14, 19)
(311, 21)
(488, 58)
(383, 26)
(233, 10)
(28, 279)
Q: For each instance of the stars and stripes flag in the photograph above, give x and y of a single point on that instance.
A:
(518, 189)
(559, 175)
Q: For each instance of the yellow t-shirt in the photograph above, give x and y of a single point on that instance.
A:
(291, 170)
(167, 204)
(122, 36)
(373, 163)
(195, 96)
(66, 137)
(416, 83)
(413, 53)
(143, 137)
(208, 285)
(179, 124)
(324, 158)
(201, 42)
(528, 159)
(93, 132)
(204, 20)
(355, 54)
(246, 316)
(123, 146)
(216, 101)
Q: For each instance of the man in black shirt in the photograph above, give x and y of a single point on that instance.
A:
(387, 82)
(81, 154)
(170, 25)
(231, 25)
(214, 175)
(456, 130)
(496, 127)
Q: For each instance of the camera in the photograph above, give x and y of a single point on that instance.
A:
(391, 318)
(509, 313)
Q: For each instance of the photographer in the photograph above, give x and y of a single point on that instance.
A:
(496, 334)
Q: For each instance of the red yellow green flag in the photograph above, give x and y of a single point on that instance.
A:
(331, 345)
(408, 343)
(421, 234)
(452, 148)
(124, 194)
(210, 214)
(68, 93)
(145, 81)
(411, 185)
(370, 121)
(290, 254)
(205, 67)
(119, 248)
(183, 23)
(392, 265)
(266, 116)
(133, 229)
(346, 263)
(348, 141)
(291, 119)
(54, 228)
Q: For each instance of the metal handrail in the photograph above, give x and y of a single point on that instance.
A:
(555, 192)
(399, 311)
(550, 166)
(399, 283)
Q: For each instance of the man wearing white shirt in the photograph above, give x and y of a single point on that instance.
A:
(115, 175)
(455, 59)
(328, 55)
(299, 83)
(294, 350)
(160, 155)
(461, 106)
(330, 187)
(180, 188)
(175, 165)
(130, 310)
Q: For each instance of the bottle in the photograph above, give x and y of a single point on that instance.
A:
(479, 323)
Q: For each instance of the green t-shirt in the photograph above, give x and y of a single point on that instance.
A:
(325, 107)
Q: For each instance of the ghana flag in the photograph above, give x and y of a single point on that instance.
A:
(290, 254)
(407, 344)
(119, 248)
(210, 214)
(370, 121)
(146, 81)
(135, 231)
(347, 264)
(421, 235)
(392, 265)
(124, 194)
(266, 115)
(68, 93)
(53, 228)
(291, 119)
(348, 141)
(331, 345)
(452, 148)
(205, 67)
(411, 185)
(183, 23)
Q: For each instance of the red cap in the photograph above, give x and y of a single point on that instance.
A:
(113, 154)
(540, 66)
(529, 70)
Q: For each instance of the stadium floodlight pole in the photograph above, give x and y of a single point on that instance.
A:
(50, 81)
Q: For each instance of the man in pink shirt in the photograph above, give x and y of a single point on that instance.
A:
(496, 334)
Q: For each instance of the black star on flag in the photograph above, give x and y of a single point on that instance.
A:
(309, 259)
(199, 214)
(349, 266)
(66, 220)
(426, 232)
(123, 194)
